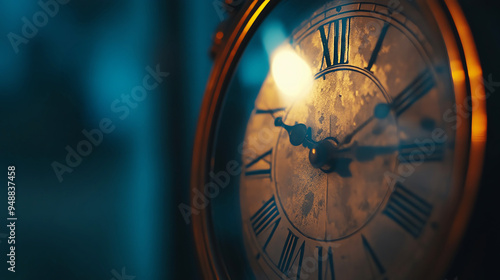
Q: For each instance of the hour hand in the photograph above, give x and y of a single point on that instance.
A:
(299, 133)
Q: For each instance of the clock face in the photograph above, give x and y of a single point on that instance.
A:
(346, 150)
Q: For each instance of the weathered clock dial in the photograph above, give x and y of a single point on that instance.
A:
(349, 153)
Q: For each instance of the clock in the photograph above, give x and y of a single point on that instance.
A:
(338, 140)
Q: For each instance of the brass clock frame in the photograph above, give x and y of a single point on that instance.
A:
(467, 79)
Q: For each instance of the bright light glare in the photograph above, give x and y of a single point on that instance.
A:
(291, 73)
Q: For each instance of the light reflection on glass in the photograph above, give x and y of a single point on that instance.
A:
(291, 73)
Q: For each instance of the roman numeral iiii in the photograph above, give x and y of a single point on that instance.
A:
(408, 210)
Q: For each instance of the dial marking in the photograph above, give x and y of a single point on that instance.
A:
(373, 256)
(261, 158)
(378, 46)
(340, 49)
(412, 152)
(408, 210)
(413, 92)
(269, 111)
(328, 265)
(258, 172)
(289, 256)
(266, 217)
(343, 24)
(326, 49)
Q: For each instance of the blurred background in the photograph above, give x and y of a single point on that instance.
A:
(70, 68)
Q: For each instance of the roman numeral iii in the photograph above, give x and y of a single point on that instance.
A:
(291, 254)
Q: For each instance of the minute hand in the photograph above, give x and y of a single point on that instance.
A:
(380, 112)
(413, 92)
(367, 153)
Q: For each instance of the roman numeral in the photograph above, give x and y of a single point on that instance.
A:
(412, 152)
(289, 256)
(326, 262)
(265, 158)
(408, 210)
(376, 50)
(326, 49)
(269, 111)
(266, 217)
(339, 53)
(373, 259)
(418, 88)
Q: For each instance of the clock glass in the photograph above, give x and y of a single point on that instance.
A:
(335, 149)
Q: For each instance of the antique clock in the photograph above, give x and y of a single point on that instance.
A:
(338, 139)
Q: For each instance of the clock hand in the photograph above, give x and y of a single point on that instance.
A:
(381, 111)
(299, 133)
(325, 154)
(328, 158)
(322, 154)
(367, 153)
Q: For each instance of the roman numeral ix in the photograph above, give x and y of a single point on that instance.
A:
(412, 152)
(269, 111)
(265, 158)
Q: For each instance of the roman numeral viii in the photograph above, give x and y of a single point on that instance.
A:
(291, 254)
(269, 111)
(267, 217)
(336, 49)
(408, 210)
